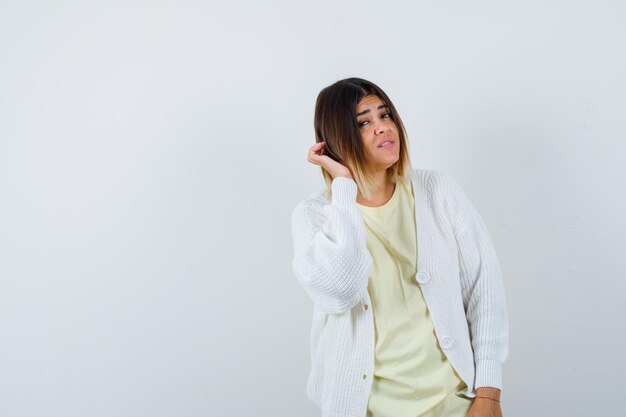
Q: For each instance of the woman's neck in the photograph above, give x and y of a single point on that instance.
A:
(382, 192)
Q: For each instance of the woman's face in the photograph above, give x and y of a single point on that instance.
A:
(377, 128)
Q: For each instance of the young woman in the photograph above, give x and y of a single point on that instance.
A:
(409, 316)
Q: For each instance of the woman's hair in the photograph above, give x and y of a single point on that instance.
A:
(335, 123)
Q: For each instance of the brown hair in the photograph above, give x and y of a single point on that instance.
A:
(335, 123)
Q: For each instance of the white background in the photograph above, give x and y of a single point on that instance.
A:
(151, 154)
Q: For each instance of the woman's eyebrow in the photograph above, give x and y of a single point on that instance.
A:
(382, 106)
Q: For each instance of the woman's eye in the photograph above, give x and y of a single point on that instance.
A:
(385, 115)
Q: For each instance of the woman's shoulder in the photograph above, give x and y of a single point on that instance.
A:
(434, 180)
(318, 197)
(312, 205)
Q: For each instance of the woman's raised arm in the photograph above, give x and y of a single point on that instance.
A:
(331, 260)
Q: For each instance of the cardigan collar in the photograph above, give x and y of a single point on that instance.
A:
(422, 224)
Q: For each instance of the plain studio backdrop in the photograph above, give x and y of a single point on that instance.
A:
(151, 154)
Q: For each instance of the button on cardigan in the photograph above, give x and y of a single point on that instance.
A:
(458, 272)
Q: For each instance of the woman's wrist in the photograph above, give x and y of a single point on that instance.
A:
(488, 393)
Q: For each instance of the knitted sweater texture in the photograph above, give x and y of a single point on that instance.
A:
(457, 269)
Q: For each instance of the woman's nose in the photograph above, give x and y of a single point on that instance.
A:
(382, 127)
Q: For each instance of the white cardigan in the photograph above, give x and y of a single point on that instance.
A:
(458, 272)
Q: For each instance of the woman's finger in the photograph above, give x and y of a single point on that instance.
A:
(318, 159)
(315, 149)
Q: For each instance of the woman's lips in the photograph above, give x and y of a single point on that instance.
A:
(386, 144)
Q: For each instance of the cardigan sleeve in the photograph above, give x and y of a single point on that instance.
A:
(331, 260)
(482, 287)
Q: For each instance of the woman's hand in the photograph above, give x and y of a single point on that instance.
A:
(484, 407)
(334, 168)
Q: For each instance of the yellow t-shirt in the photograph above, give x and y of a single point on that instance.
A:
(412, 376)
